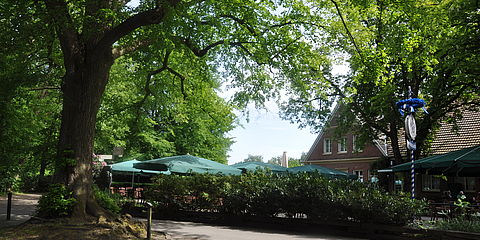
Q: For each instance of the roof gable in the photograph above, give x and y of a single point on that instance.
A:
(330, 124)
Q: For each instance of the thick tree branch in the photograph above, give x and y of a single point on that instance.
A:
(358, 109)
(45, 88)
(202, 52)
(182, 81)
(164, 67)
(312, 99)
(149, 17)
(348, 31)
(68, 36)
(197, 51)
(242, 23)
(293, 23)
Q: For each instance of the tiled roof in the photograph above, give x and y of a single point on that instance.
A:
(448, 139)
(468, 134)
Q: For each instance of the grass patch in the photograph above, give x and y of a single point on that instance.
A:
(122, 228)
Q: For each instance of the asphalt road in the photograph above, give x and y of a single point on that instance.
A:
(23, 208)
(198, 231)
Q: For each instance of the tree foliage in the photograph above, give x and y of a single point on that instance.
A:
(292, 162)
(430, 46)
(29, 105)
(178, 118)
(253, 158)
(181, 50)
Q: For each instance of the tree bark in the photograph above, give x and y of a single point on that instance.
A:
(83, 88)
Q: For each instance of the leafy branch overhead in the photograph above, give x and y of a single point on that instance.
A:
(389, 46)
(166, 58)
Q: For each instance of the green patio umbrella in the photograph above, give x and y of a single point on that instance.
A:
(328, 172)
(464, 162)
(185, 164)
(127, 168)
(253, 166)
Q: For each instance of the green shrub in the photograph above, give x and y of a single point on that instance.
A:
(168, 193)
(57, 202)
(459, 224)
(107, 200)
(267, 194)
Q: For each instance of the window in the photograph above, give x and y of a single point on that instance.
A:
(359, 174)
(430, 183)
(356, 148)
(342, 145)
(327, 146)
(468, 183)
(372, 176)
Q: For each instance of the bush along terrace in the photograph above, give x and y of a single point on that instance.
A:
(269, 195)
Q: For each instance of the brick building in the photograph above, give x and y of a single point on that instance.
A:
(341, 153)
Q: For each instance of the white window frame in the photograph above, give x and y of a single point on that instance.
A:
(359, 174)
(430, 183)
(354, 144)
(342, 141)
(327, 146)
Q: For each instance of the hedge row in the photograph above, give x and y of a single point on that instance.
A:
(265, 194)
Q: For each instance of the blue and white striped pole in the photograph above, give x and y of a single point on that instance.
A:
(413, 174)
(409, 106)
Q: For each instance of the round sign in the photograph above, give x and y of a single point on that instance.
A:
(410, 127)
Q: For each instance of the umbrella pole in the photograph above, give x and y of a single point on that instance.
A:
(133, 178)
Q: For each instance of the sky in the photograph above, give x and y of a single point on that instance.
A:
(269, 136)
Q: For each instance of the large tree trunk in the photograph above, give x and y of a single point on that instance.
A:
(82, 91)
(88, 57)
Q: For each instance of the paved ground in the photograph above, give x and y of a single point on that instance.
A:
(23, 207)
(198, 231)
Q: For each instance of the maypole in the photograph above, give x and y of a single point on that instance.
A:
(408, 106)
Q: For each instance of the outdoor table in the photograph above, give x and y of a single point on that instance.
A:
(473, 209)
(441, 208)
(449, 208)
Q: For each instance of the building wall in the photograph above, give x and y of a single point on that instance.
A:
(369, 150)
(350, 167)
(349, 161)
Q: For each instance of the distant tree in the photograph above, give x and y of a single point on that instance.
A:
(276, 160)
(292, 162)
(303, 156)
(253, 158)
